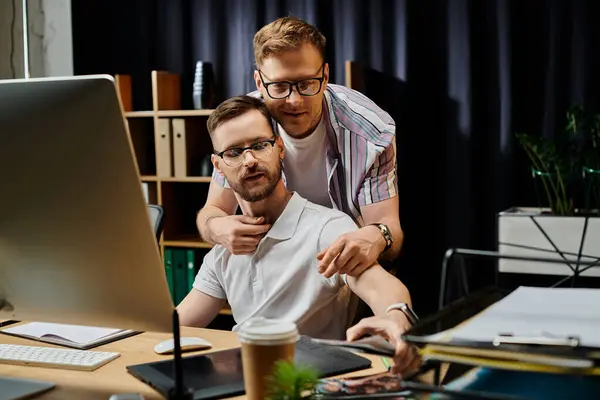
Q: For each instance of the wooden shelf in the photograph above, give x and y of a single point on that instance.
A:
(139, 114)
(184, 113)
(191, 241)
(167, 141)
(187, 179)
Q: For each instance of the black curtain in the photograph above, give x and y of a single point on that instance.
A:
(459, 76)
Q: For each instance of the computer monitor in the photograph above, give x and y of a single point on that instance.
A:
(76, 242)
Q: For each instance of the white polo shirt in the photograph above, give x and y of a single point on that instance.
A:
(280, 279)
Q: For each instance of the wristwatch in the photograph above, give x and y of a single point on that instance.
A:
(386, 233)
(405, 308)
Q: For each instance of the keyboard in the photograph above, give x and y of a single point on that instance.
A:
(50, 357)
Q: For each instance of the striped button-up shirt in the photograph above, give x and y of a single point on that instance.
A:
(361, 151)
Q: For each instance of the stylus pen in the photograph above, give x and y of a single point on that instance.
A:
(6, 323)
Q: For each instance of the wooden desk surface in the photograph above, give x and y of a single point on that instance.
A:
(113, 378)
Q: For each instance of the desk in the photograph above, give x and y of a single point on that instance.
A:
(113, 377)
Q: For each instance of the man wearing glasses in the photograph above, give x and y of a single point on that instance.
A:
(340, 153)
(280, 279)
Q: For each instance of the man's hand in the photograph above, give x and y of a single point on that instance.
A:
(390, 327)
(352, 253)
(240, 234)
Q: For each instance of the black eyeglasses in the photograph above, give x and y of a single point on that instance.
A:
(283, 89)
(235, 156)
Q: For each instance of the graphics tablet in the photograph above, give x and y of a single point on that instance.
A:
(219, 374)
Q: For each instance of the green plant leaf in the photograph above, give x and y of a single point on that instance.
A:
(558, 163)
(291, 382)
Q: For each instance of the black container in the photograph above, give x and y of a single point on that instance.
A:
(203, 88)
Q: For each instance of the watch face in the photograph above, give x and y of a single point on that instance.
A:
(386, 232)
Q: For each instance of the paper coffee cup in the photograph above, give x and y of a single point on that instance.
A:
(264, 342)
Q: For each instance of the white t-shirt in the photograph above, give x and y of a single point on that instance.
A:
(305, 165)
(280, 280)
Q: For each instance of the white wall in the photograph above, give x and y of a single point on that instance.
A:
(50, 38)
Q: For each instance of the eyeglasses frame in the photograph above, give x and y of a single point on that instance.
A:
(294, 84)
(243, 150)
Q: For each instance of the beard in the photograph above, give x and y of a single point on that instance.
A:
(253, 192)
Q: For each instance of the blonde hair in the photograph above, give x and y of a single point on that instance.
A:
(286, 34)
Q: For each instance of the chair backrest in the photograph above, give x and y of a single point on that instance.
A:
(156, 214)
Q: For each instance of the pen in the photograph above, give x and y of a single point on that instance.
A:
(386, 362)
(8, 322)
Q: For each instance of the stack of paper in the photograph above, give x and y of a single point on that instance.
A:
(533, 315)
(528, 311)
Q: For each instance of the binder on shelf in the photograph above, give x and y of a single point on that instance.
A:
(189, 146)
(180, 161)
(191, 268)
(164, 160)
(180, 274)
(168, 260)
(553, 330)
(146, 191)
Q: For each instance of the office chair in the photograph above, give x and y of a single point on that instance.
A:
(156, 214)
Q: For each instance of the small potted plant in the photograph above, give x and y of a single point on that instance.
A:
(291, 382)
(566, 174)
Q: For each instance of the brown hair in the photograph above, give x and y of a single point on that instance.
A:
(234, 107)
(286, 34)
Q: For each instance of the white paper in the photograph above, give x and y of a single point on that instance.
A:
(73, 333)
(530, 311)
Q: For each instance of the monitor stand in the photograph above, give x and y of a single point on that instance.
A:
(179, 392)
(17, 388)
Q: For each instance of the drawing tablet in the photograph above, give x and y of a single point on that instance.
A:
(17, 388)
(219, 374)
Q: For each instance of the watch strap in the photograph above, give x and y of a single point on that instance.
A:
(406, 310)
(387, 235)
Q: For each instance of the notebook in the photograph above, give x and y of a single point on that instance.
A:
(75, 336)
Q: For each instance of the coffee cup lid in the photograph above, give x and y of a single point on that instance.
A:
(261, 329)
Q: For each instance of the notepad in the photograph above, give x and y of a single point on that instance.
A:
(76, 336)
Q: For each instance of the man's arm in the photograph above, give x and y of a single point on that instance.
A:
(354, 252)
(379, 289)
(198, 309)
(220, 202)
(206, 298)
(217, 223)
(378, 200)
(385, 212)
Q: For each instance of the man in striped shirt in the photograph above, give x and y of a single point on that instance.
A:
(340, 153)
